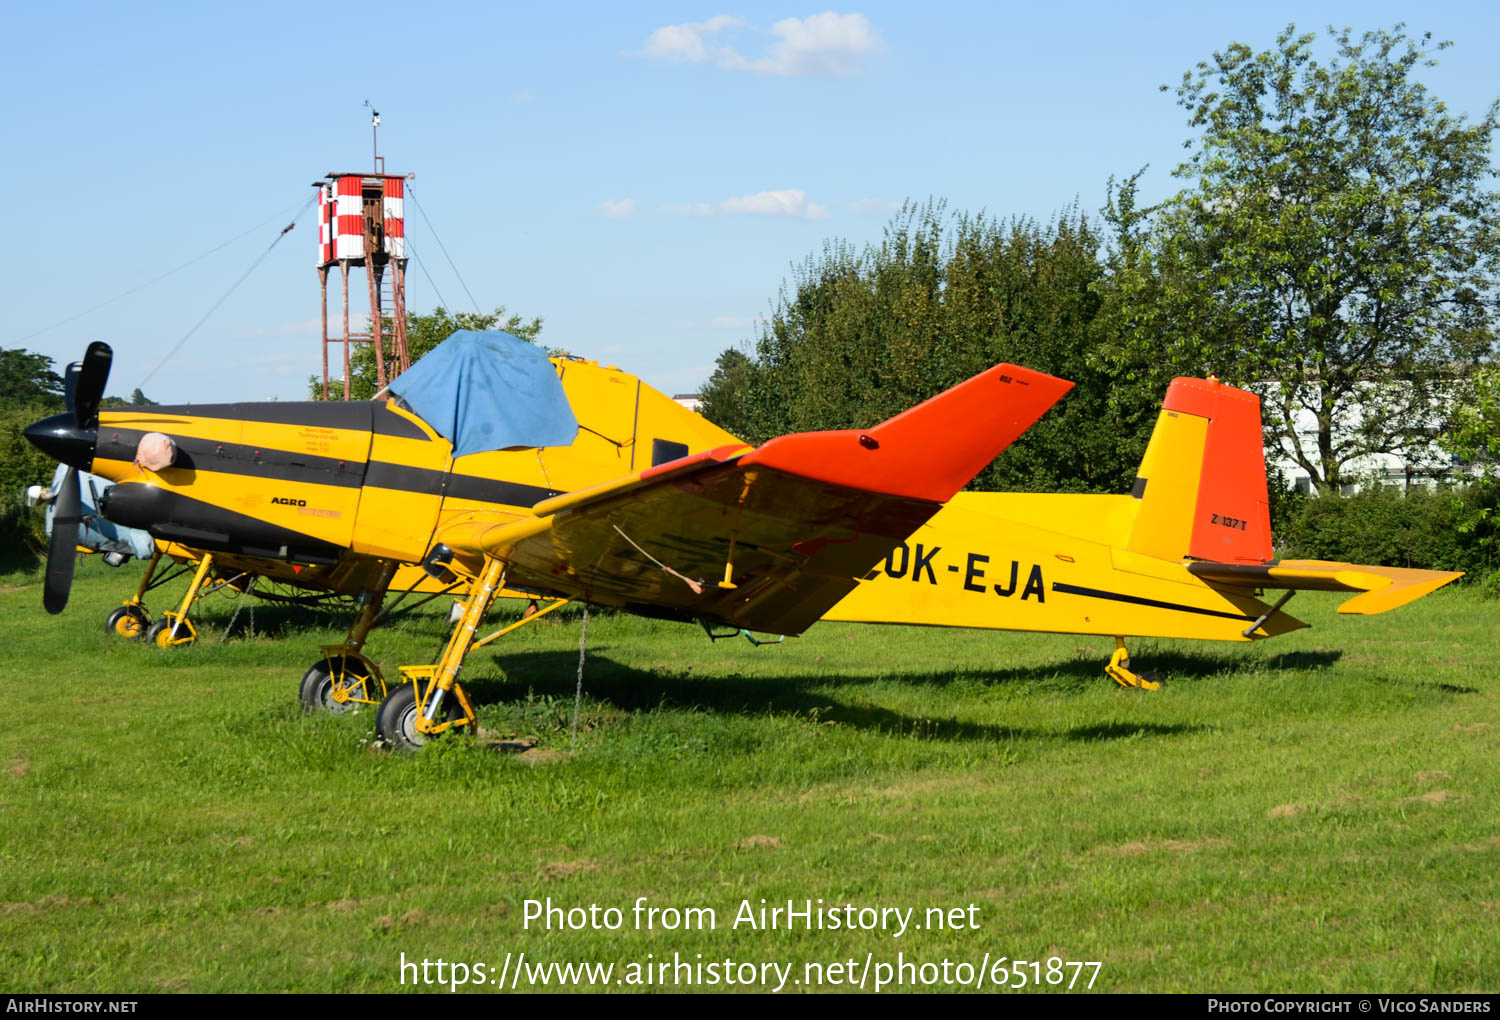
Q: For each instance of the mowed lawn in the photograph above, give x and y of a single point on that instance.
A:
(1317, 812)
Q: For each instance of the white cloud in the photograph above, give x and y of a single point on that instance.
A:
(787, 202)
(686, 42)
(523, 98)
(874, 205)
(827, 45)
(617, 208)
(824, 45)
(732, 321)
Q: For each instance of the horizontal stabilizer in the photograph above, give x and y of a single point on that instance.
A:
(1382, 588)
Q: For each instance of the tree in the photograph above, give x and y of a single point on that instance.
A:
(21, 465)
(857, 337)
(1336, 247)
(727, 396)
(1474, 435)
(1475, 431)
(136, 399)
(27, 378)
(29, 390)
(423, 333)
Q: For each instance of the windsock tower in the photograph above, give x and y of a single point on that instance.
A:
(362, 225)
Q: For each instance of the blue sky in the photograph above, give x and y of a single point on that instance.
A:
(641, 176)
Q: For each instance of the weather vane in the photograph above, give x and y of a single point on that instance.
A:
(374, 136)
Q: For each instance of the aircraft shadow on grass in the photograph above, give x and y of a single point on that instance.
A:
(555, 674)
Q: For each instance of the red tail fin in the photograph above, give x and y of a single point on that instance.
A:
(1206, 468)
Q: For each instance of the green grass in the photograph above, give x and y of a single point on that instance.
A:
(1317, 812)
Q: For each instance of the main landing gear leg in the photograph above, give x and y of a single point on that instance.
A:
(174, 630)
(345, 678)
(429, 700)
(132, 618)
(1119, 671)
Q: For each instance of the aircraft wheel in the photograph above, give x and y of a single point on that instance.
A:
(160, 634)
(396, 724)
(316, 691)
(127, 622)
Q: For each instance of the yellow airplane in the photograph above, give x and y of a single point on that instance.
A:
(560, 479)
(568, 480)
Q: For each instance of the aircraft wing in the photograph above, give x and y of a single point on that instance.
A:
(1382, 588)
(795, 521)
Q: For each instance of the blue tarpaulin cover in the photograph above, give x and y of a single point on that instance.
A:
(488, 391)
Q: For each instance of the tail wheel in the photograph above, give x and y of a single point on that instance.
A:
(349, 676)
(163, 634)
(396, 724)
(127, 622)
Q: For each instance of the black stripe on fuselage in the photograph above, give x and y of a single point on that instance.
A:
(474, 488)
(493, 490)
(354, 415)
(173, 517)
(194, 454)
(284, 466)
(403, 477)
(1136, 600)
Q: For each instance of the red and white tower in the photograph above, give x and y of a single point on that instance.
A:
(362, 225)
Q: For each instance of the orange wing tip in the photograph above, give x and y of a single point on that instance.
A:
(930, 451)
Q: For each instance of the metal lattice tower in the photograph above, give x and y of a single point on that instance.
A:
(362, 225)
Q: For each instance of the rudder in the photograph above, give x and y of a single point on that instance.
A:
(1202, 483)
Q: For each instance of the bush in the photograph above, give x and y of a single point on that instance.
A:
(22, 530)
(1436, 529)
(1286, 506)
(1490, 587)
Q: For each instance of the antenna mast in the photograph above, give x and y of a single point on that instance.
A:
(377, 164)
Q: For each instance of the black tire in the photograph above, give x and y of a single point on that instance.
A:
(316, 690)
(128, 622)
(396, 723)
(157, 635)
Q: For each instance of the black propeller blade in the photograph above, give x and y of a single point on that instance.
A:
(62, 552)
(70, 387)
(92, 378)
(84, 389)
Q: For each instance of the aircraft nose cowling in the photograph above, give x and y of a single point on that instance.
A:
(59, 436)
